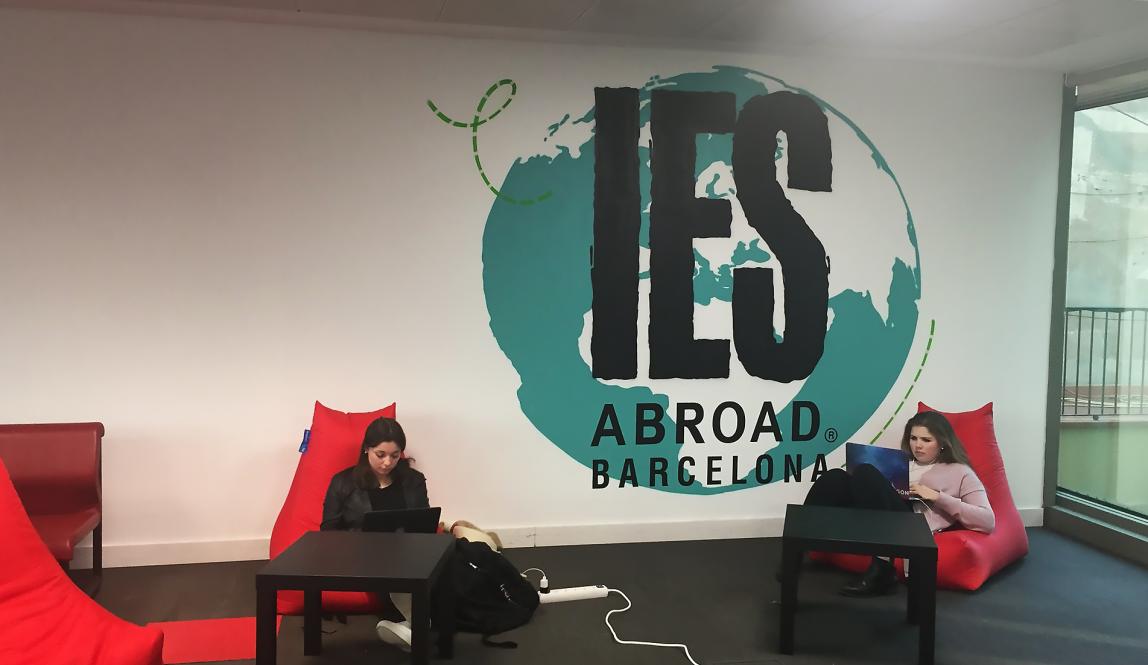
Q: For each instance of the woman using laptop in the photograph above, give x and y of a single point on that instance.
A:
(941, 483)
(382, 479)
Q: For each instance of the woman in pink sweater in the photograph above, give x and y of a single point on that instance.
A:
(942, 484)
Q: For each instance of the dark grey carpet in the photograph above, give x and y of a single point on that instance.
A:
(1065, 604)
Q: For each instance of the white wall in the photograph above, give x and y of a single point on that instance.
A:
(206, 226)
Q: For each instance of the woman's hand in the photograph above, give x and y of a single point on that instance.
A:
(926, 493)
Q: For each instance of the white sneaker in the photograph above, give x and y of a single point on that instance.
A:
(396, 633)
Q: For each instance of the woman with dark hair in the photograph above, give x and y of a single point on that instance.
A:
(382, 479)
(942, 485)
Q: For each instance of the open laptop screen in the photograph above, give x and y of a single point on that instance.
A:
(415, 520)
(891, 462)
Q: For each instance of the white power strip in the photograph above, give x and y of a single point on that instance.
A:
(573, 593)
(597, 591)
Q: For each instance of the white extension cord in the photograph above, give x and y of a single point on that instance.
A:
(644, 644)
(544, 587)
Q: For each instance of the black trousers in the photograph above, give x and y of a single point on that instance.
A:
(866, 487)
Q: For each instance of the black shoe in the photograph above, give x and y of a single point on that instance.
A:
(878, 580)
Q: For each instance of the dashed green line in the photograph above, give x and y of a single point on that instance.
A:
(477, 121)
(920, 368)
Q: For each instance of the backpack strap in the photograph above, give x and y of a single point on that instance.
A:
(501, 645)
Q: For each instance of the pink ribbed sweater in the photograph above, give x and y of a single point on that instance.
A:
(962, 499)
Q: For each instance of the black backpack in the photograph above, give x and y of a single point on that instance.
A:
(491, 596)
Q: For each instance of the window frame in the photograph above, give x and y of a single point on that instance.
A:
(1119, 532)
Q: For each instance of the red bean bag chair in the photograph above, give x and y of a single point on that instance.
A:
(334, 445)
(965, 558)
(45, 619)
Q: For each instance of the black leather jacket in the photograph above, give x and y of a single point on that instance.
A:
(345, 504)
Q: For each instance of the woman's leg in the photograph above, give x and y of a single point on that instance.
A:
(869, 488)
(402, 603)
(830, 489)
(398, 633)
(833, 488)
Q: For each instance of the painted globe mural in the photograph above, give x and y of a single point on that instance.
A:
(536, 280)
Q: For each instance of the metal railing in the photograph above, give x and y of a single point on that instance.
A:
(1105, 353)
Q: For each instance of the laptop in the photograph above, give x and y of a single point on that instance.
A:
(412, 520)
(891, 462)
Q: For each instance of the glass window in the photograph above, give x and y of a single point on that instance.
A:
(1104, 412)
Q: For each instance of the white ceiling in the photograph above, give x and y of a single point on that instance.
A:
(1061, 35)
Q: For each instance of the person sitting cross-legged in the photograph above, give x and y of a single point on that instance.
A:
(942, 485)
(382, 479)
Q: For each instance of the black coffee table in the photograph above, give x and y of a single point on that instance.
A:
(357, 561)
(856, 531)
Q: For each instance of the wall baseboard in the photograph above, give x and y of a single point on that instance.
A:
(161, 554)
(597, 534)
(157, 554)
(1032, 516)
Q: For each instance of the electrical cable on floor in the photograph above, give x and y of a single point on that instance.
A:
(644, 644)
(543, 584)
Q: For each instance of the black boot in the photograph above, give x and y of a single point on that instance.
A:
(878, 580)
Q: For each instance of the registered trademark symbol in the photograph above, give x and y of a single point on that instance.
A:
(830, 435)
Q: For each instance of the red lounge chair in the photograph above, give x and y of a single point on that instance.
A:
(56, 471)
(966, 559)
(334, 445)
(44, 618)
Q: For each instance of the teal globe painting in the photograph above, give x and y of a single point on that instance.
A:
(537, 285)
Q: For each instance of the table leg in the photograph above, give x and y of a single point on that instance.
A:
(420, 626)
(265, 642)
(790, 565)
(312, 622)
(443, 599)
(914, 580)
(927, 590)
